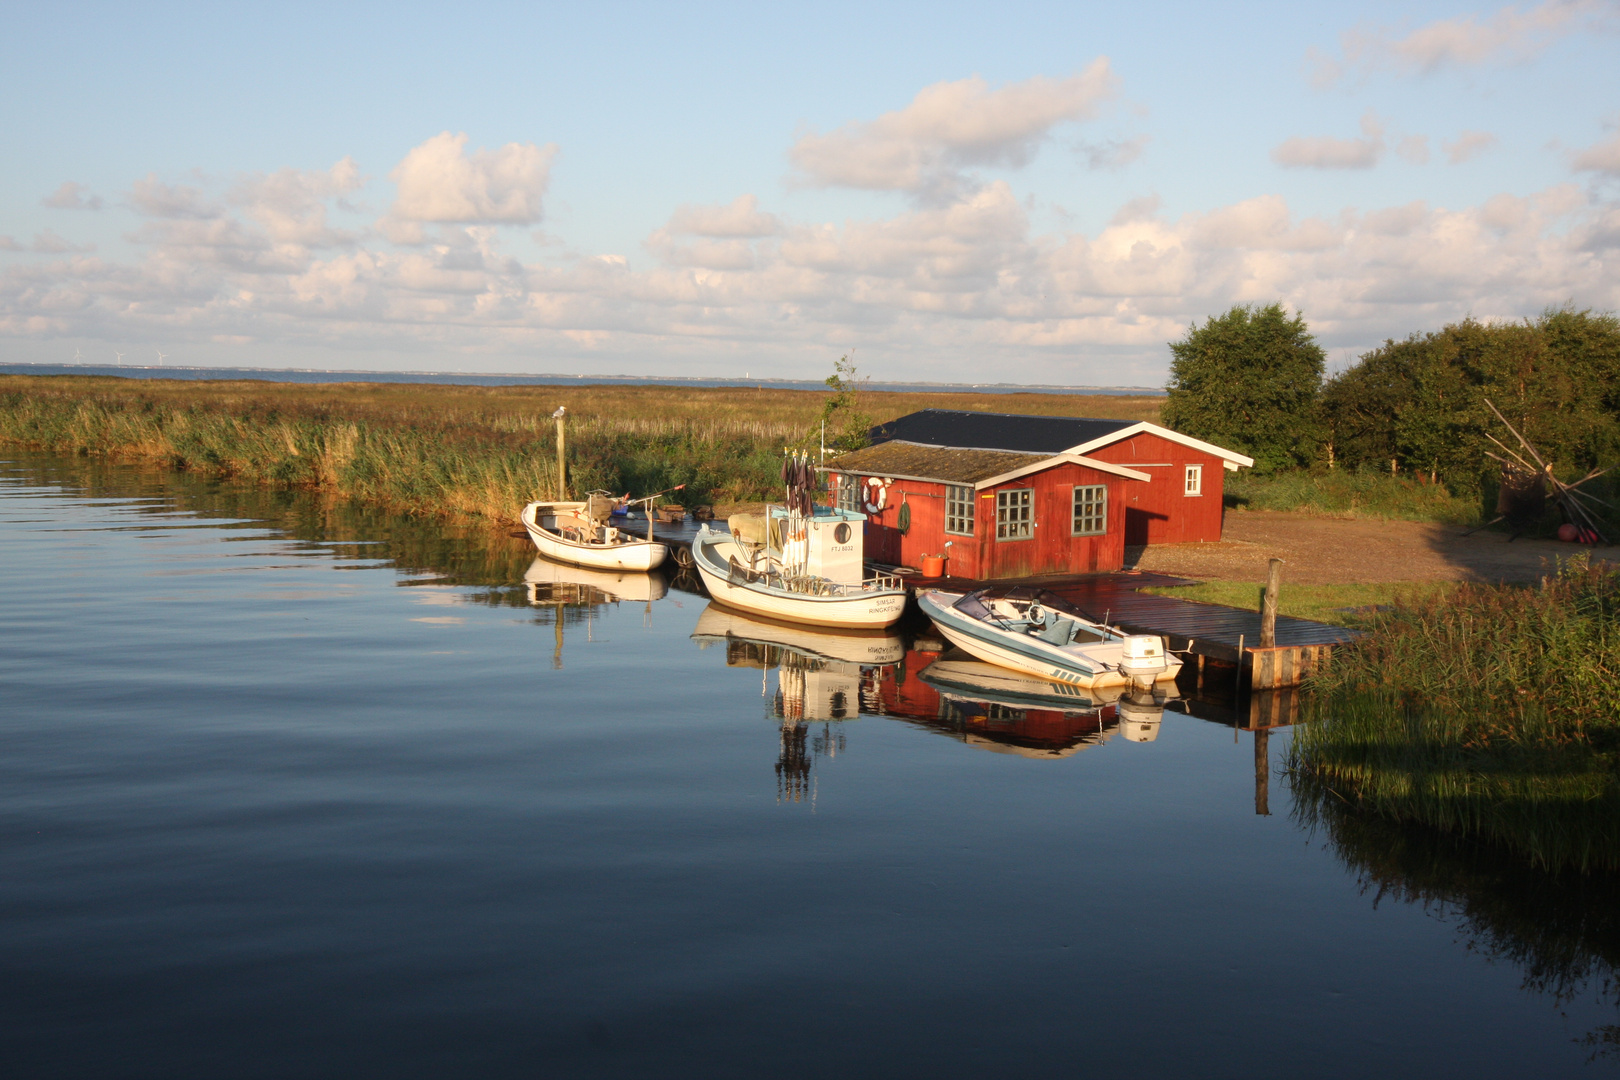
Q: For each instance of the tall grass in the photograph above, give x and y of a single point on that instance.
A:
(1353, 494)
(460, 450)
(1491, 713)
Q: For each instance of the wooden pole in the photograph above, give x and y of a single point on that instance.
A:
(561, 416)
(1268, 606)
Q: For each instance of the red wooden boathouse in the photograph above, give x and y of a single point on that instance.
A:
(1180, 503)
(1004, 514)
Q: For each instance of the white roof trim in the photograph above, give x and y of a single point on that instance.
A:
(1230, 458)
(1059, 459)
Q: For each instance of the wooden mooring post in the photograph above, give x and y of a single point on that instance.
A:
(561, 416)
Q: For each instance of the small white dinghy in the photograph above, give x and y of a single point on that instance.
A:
(1044, 636)
(579, 533)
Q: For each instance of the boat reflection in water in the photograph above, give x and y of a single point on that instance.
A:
(1004, 711)
(823, 676)
(573, 593)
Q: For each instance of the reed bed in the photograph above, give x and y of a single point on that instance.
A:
(1489, 713)
(462, 450)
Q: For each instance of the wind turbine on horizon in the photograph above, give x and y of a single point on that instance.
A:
(120, 357)
(161, 355)
(77, 356)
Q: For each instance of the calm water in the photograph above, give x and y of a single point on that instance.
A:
(290, 790)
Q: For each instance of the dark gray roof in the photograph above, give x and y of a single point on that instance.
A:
(914, 462)
(996, 431)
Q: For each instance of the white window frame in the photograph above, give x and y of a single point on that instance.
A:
(959, 515)
(849, 489)
(1095, 496)
(1015, 514)
(1193, 480)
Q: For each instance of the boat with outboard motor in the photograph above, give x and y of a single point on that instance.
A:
(579, 533)
(1039, 632)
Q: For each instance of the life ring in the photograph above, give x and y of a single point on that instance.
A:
(876, 496)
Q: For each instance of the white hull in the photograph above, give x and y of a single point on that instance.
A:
(623, 554)
(860, 610)
(1082, 666)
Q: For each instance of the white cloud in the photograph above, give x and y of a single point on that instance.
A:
(154, 198)
(1602, 158)
(1468, 145)
(290, 204)
(46, 242)
(966, 286)
(71, 196)
(948, 127)
(1510, 35)
(439, 183)
(740, 218)
(1323, 152)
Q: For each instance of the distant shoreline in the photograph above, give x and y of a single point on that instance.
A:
(458, 378)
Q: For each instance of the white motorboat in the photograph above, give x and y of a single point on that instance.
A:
(1044, 636)
(579, 533)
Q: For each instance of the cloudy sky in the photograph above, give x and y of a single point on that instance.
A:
(1007, 192)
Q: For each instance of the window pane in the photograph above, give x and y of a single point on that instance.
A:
(1090, 509)
(959, 510)
(1195, 480)
(1015, 514)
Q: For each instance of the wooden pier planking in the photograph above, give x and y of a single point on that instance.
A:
(1210, 631)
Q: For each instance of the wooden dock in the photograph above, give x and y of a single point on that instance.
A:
(1212, 633)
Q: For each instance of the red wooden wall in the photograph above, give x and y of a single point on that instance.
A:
(1160, 512)
(1052, 549)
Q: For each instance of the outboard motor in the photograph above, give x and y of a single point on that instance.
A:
(1143, 659)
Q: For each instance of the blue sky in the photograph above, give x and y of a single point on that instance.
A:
(1024, 193)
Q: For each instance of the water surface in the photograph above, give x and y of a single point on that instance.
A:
(290, 788)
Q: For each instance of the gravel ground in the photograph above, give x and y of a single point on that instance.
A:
(1341, 551)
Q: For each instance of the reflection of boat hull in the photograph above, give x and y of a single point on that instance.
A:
(1089, 666)
(544, 520)
(714, 553)
(617, 584)
(957, 676)
(865, 647)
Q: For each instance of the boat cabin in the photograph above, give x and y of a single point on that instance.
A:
(1179, 503)
(991, 513)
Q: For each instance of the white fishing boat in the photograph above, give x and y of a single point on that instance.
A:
(1042, 635)
(580, 533)
(799, 562)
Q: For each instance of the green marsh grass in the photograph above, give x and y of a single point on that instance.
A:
(1341, 605)
(1490, 713)
(462, 450)
(1352, 494)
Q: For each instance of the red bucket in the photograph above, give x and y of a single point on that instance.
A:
(933, 566)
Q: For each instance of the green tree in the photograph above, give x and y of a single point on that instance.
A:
(841, 417)
(1248, 380)
(1418, 405)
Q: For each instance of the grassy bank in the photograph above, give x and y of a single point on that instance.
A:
(1341, 605)
(460, 450)
(1350, 494)
(1489, 713)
